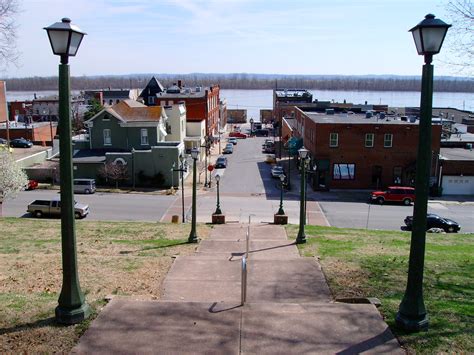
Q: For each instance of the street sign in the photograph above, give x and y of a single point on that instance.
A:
(210, 167)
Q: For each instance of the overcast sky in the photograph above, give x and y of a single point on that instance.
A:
(229, 36)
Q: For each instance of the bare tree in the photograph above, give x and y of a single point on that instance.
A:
(460, 39)
(114, 172)
(12, 178)
(8, 27)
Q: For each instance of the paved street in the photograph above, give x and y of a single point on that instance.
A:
(390, 217)
(247, 188)
(103, 206)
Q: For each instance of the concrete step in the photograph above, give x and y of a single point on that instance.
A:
(194, 278)
(257, 232)
(263, 249)
(128, 326)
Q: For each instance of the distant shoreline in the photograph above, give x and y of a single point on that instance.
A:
(250, 82)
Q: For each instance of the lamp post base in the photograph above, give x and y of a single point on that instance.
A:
(193, 238)
(218, 218)
(301, 238)
(72, 316)
(280, 219)
(411, 324)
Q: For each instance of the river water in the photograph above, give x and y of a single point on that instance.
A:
(254, 100)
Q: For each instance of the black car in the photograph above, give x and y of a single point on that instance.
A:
(261, 132)
(221, 163)
(3, 141)
(435, 221)
(20, 143)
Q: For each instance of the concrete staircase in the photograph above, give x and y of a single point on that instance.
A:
(289, 307)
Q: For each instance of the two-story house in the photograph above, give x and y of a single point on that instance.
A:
(135, 135)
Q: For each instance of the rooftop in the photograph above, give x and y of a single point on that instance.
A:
(292, 93)
(131, 110)
(186, 92)
(457, 154)
(344, 118)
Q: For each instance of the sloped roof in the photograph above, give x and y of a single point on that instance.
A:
(131, 110)
(153, 87)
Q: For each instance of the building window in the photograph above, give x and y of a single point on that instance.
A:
(151, 100)
(369, 140)
(397, 175)
(111, 102)
(333, 139)
(144, 136)
(387, 140)
(343, 171)
(107, 137)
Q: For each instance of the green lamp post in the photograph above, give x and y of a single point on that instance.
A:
(218, 206)
(301, 238)
(65, 39)
(192, 236)
(429, 35)
(281, 212)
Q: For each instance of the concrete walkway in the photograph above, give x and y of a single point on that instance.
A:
(289, 308)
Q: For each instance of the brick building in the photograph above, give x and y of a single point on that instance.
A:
(351, 151)
(237, 116)
(202, 103)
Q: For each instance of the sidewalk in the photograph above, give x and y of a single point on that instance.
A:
(289, 309)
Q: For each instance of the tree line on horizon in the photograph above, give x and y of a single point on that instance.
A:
(247, 81)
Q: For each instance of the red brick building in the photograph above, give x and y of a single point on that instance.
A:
(202, 103)
(351, 151)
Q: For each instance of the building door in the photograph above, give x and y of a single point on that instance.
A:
(376, 176)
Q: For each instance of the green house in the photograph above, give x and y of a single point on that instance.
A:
(133, 136)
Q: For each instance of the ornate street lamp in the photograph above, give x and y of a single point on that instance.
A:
(429, 35)
(281, 212)
(218, 207)
(72, 308)
(192, 236)
(301, 238)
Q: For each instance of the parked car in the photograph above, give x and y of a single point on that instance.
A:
(406, 195)
(261, 132)
(31, 185)
(3, 141)
(20, 143)
(237, 135)
(270, 159)
(435, 221)
(84, 186)
(232, 140)
(229, 148)
(40, 208)
(277, 170)
(221, 163)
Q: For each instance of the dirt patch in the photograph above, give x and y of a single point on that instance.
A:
(130, 259)
(346, 279)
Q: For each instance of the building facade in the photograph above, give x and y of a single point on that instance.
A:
(351, 151)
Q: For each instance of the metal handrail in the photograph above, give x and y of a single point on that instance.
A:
(243, 297)
(247, 242)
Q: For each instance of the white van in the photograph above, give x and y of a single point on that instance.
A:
(84, 186)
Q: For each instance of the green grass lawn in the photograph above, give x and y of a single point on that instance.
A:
(114, 258)
(365, 263)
